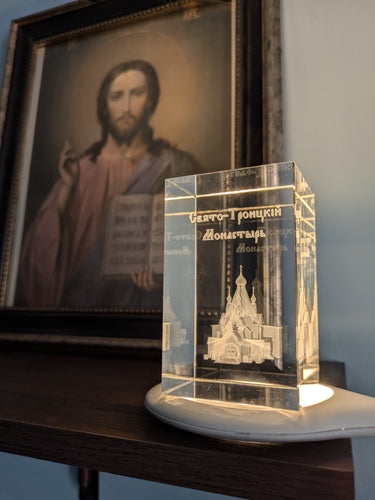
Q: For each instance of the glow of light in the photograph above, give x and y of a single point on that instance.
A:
(307, 372)
(238, 191)
(224, 404)
(312, 394)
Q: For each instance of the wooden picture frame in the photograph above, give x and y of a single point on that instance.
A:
(217, 63)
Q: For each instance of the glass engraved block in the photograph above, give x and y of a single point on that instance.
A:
(240, 320)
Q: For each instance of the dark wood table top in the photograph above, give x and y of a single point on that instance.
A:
(88, 411)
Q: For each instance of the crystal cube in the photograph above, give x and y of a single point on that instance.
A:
(240, 320)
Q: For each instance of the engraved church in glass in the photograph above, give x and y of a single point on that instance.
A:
(241, 335)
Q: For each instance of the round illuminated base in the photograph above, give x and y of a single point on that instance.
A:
(339, 414)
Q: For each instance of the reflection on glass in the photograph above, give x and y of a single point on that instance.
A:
(240, 301)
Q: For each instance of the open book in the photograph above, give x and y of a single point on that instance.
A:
(134, 235)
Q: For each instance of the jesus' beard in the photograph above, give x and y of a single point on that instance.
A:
(127, 136)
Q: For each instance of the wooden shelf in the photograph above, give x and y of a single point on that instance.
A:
(88, 411)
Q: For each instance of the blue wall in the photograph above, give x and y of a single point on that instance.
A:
(23, 478)
(329, 90)
(329, 82)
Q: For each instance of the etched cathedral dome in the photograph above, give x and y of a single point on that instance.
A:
(241, 280)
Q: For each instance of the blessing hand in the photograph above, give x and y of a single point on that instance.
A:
(69, 173)
(68, 166)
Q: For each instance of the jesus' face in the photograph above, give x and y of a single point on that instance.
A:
(127, 103)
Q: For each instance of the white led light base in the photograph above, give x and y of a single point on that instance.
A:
(344, 414)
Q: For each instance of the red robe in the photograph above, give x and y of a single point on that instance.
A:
(55, 252)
